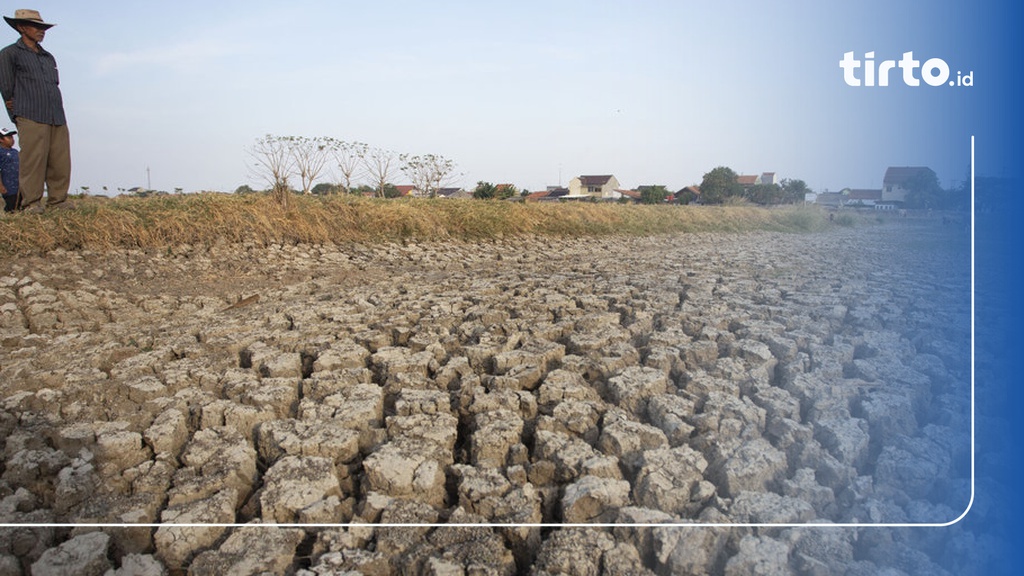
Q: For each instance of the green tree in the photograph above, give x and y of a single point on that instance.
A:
(959, 197)
(655, 194)
(794, 190)
(363, 190)
(485, 191)
(924, 191)
(718, 185)
(488, 191)
(389, 190)
(764, 194)
(324, 188)
(505, 191)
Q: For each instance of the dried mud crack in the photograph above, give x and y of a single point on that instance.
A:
(754, 378)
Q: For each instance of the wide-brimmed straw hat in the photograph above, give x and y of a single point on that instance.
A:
(26, 16)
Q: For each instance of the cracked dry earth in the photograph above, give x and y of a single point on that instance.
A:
(756, 378)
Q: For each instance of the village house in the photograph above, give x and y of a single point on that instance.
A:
(830, 199)
(896, 181)
(863, 197)
(633, 195)
(895, 186)
(452, 193)
(689, 194)
(407, 190)
(747, 181)
(599, 187)
(552, 193)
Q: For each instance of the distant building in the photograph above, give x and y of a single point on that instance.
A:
(452, 193)
(553, 193)
(687, 195)
(831, 199)
(600, 187)
(863, 197)
(633, 195)
(896, 181)
(747, 180)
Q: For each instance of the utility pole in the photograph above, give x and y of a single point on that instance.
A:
(149, 183)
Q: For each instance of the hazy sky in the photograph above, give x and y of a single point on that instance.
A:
(531, 93)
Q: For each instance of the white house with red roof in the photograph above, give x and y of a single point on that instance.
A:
(747, 180)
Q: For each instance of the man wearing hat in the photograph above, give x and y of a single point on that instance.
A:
(8, 170)
(30, 88)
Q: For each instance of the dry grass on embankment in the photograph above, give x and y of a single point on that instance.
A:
(207, 218)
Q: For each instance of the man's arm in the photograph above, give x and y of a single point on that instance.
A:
(7, 80)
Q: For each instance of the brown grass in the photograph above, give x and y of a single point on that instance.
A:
(156, 222)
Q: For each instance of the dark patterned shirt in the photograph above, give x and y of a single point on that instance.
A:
(9, 170)
(30, 79)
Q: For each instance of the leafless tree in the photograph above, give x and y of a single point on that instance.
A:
(350, 159)
(310, 156)
(428, 173)
(380, 165)
(272, 161)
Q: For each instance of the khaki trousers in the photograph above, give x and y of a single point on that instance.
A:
(45, 158)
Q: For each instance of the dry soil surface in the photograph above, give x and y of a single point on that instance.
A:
(168, 398)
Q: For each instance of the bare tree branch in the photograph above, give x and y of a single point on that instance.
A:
(310, 156)
(273, 162)
(428, 173)
(350, 159)
(380, 165)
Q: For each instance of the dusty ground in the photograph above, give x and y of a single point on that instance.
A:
(757, 378)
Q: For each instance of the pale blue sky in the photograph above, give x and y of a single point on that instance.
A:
(652, 92)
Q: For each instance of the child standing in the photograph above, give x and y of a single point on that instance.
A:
(9, 170)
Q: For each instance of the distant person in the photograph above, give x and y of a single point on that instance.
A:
(8, 170)
(29, 84)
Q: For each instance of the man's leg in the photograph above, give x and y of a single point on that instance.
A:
(58, 168)
(34, 139)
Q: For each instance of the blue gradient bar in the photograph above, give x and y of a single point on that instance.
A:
(994, 45)
(903, 124)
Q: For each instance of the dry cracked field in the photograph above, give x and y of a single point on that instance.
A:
(755, 378)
